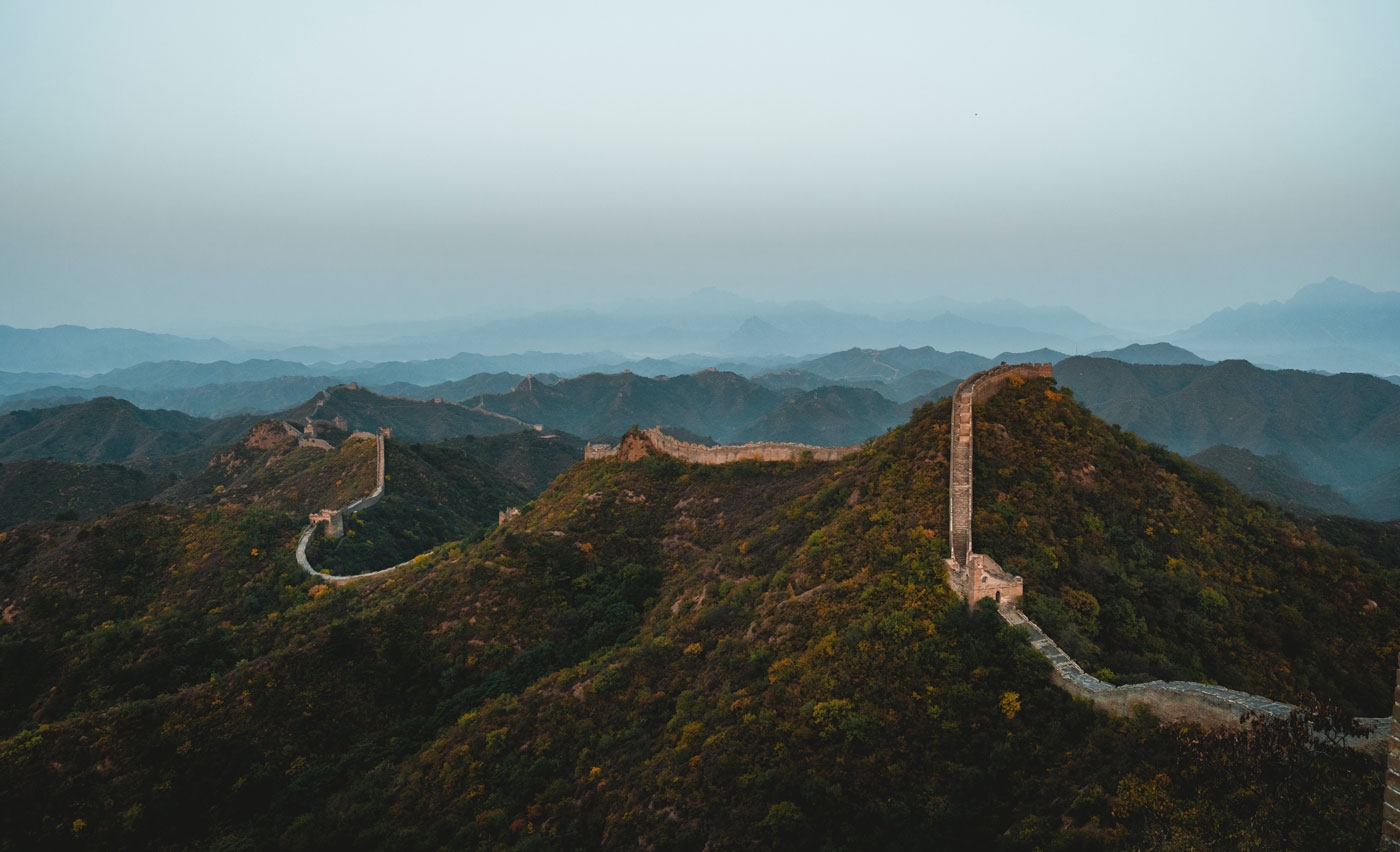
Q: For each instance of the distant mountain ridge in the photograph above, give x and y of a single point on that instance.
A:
(1273, 480)
(1332, 325)
(1151, 353)
(76, 349)
(115, 431)
(410, 419)
(1337, 430)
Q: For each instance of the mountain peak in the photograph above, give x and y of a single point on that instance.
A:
(1331, 291)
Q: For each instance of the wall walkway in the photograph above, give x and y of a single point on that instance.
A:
(359, 505)
(1171, 701)
(634, 447)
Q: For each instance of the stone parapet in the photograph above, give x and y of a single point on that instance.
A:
(335, 518)
(1203, 704)
(636, 445)
(1390, 804)
(978, 387)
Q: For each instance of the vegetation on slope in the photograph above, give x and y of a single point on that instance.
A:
(1274, 480)
(115, 431)
(1144, 564)
(268, 468)
(45, 489)
(672, 656)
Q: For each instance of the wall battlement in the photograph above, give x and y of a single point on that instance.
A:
(978, 387)
(637, 445)
(976, 576)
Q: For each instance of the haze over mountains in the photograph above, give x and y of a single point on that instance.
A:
(1331, 325)
(1308, 441)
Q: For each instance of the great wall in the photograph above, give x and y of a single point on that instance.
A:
(636, 445)
(334, 519)
(976, 576)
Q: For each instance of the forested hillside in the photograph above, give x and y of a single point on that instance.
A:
(662, 655)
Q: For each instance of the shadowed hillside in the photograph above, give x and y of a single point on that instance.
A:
(1339, 430)
(826, 417)
(42, 489)
(597, 404)
(663, 655)
(113, 430)
(528, 458)
(432, 495)
(1273, 480)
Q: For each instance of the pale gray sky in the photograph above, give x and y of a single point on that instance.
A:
(179, 164)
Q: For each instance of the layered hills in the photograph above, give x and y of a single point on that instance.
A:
(1331, 325)
(115, 431)
(1341, 431)
(663, 655)
(411, 419)
(1275, 480)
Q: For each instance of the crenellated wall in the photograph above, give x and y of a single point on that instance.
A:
(976, 576)
(636, 445)
(978, 387)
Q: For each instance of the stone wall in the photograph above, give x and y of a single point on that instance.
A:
(978, 387)
(1188, 702)
(636, 445)
(1390, 806)
(982, 578)
(335, 518)
(976, 576)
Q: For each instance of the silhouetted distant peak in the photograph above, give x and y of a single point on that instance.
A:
(1151, 353)
(1332, 291)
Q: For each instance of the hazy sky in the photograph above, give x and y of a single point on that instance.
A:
(185, 164)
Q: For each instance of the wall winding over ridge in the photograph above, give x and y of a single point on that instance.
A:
(978, 387)
(1171, 701)
(635, 446)
(363, 503)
